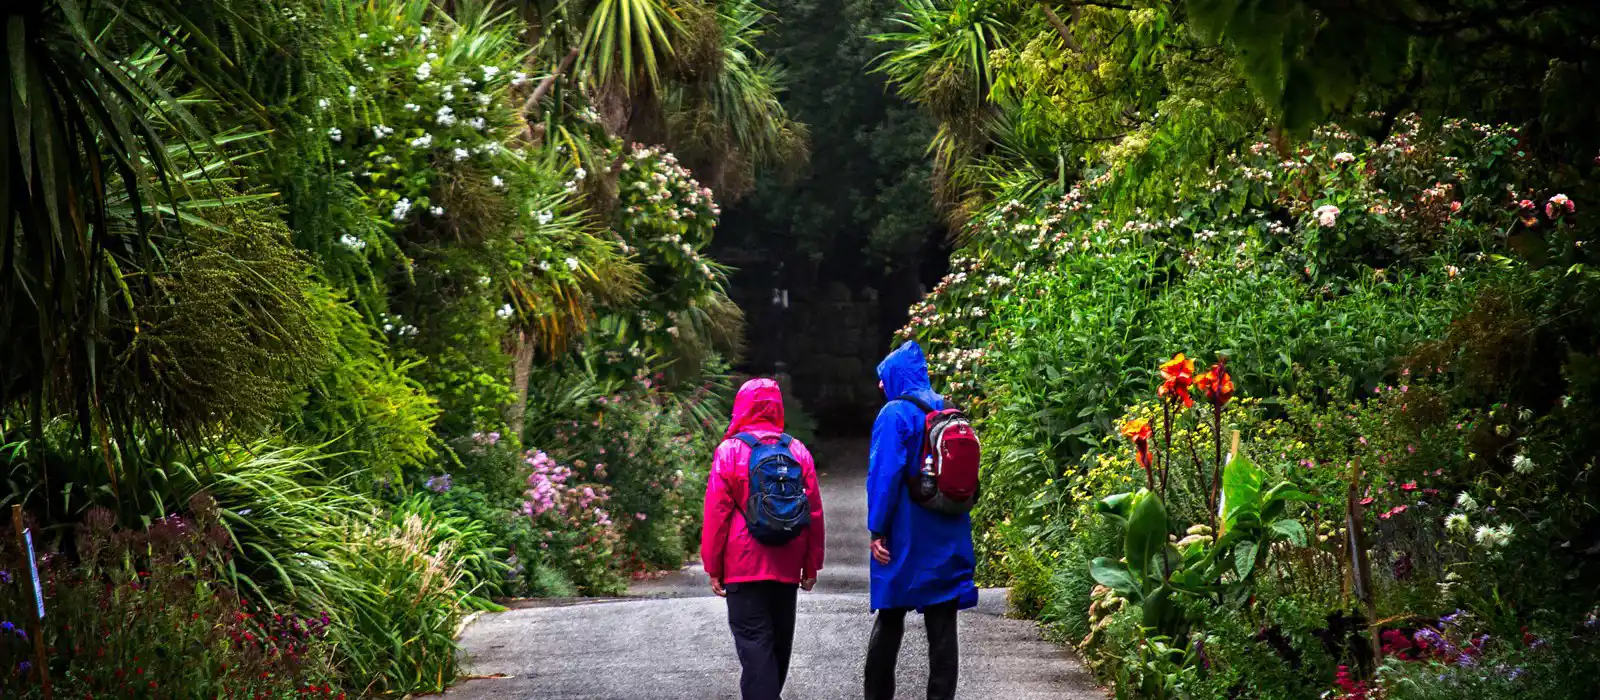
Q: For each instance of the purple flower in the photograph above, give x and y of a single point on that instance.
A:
(1452, 618)
(440, 484)
(1516, 673)
(23, 667)
(5, 576)
(7, 626)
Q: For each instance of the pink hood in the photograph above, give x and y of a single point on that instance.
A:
(758, 408)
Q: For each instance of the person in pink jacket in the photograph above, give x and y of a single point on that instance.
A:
(759, 581)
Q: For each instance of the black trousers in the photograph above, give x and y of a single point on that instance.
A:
(761, 615)
(944, 655)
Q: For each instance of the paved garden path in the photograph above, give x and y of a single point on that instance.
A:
(669, 639)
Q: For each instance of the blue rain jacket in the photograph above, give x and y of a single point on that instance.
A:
(931, 553)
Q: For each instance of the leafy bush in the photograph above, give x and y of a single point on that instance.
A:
(393, 587)
(1412, 339)
(365, 409)
(654, 460)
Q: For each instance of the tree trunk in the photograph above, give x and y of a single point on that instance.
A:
(521, 371)
(539, 93)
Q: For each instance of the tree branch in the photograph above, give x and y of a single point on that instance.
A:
(1106, 5)
(539, 93)
(1061, 27)
(550, 80)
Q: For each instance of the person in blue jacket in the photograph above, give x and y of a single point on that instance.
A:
(921, 560)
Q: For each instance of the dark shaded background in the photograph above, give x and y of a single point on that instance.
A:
(853, 236)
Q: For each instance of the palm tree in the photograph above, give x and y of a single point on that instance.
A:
(939, 58)
(730, 120)
(91, 108)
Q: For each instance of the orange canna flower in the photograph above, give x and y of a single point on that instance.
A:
(1216, 384)
(1177, 374)
(1139, 432)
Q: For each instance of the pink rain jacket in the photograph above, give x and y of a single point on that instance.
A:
(726, 547)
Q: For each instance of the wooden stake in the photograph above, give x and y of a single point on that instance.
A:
(36, 624)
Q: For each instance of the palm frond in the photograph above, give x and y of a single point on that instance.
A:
(628, 43)
(940, 56)
(89, 138)
(731, 120)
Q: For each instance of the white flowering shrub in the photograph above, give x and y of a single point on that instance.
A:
(665, 220)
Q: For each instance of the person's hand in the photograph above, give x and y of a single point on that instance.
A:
(880, 550)
(807, 583)
(716, 587)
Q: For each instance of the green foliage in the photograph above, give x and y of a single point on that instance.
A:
(1351, 264)
(90, 111)
(1505, 61)
(626, 42)
(309, 259)
(728, 121)
(402, 606)
(228, 332)
(393, 587)
(365, 408)
(651, 449)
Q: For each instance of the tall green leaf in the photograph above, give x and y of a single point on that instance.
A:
(1241, 490)
(1146, 536)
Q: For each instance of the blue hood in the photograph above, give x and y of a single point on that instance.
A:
(905, 371)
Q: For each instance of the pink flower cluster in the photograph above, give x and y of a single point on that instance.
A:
(1559, 205)
(550, 490)
(545, 485)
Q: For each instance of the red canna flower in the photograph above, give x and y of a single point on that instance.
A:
(1216, 384)
(1139, 432)
(1177, 374)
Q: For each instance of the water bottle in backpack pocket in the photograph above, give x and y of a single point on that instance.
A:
(778, 509)
(946, 478)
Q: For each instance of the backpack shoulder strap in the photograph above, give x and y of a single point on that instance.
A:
(919, 403)
(748, 439)
(785, 440)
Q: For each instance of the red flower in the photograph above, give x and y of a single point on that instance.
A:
(1139, 432)
(1177, 374)
(1216, 384)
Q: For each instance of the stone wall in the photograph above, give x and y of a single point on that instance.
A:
(833, 333)
(831, 351)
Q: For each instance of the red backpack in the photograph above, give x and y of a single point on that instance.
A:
(946, 479)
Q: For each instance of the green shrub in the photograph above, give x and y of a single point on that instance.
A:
(394, 590)
(365, 408)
